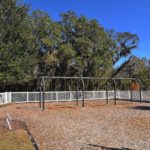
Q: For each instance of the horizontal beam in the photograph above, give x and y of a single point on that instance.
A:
(47, 77)
(124, 78)
(90, 78)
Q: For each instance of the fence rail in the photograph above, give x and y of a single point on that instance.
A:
(17, 97)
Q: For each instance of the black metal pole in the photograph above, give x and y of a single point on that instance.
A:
(77, 93)
(140, 94)
(40, 97)
(71, 84)
(65, 90)
(82, 92)
(65, 85)
(57, 85)
(43, 94)
(106, 92)
(70, 89)
(114, 91)
(51, 85)
(140, 90)
(131, 98)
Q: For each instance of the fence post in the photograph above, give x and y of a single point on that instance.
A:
(27, 96)
(70, 95)
(9, 97)
(6, 97)
(57, 96)
(129, 93)
(142, 95)
(93, 94)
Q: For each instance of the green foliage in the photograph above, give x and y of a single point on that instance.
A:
(134, 68)
(16, 44)
(33, 44)
(66, 51)
(123, 44)
(142, 72)
(50, 59)
(90, 44)
(48, 38)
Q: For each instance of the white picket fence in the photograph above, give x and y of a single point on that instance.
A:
(18, 97)
(5, 98)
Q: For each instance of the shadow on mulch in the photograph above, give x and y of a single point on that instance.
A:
(60, 107)
(28, 108)
(107, 148)
(144, 108)
(4, 105)
(16, 125)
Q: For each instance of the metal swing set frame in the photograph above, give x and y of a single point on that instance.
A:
(82, 81)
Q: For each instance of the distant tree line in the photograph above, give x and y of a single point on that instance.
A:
(32, 44)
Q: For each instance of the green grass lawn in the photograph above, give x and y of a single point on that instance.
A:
(15, 140)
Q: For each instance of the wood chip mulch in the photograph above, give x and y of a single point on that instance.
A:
(64, 126)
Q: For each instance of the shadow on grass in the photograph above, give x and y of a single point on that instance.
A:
(144, 108)
(107, 148)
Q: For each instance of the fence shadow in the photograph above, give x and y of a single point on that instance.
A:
(144, 108)
(28, 107)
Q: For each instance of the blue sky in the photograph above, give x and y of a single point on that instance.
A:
(121, 15)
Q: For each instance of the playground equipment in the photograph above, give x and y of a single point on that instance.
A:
(59, 83)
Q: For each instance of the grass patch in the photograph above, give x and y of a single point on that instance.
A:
(15, 140)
